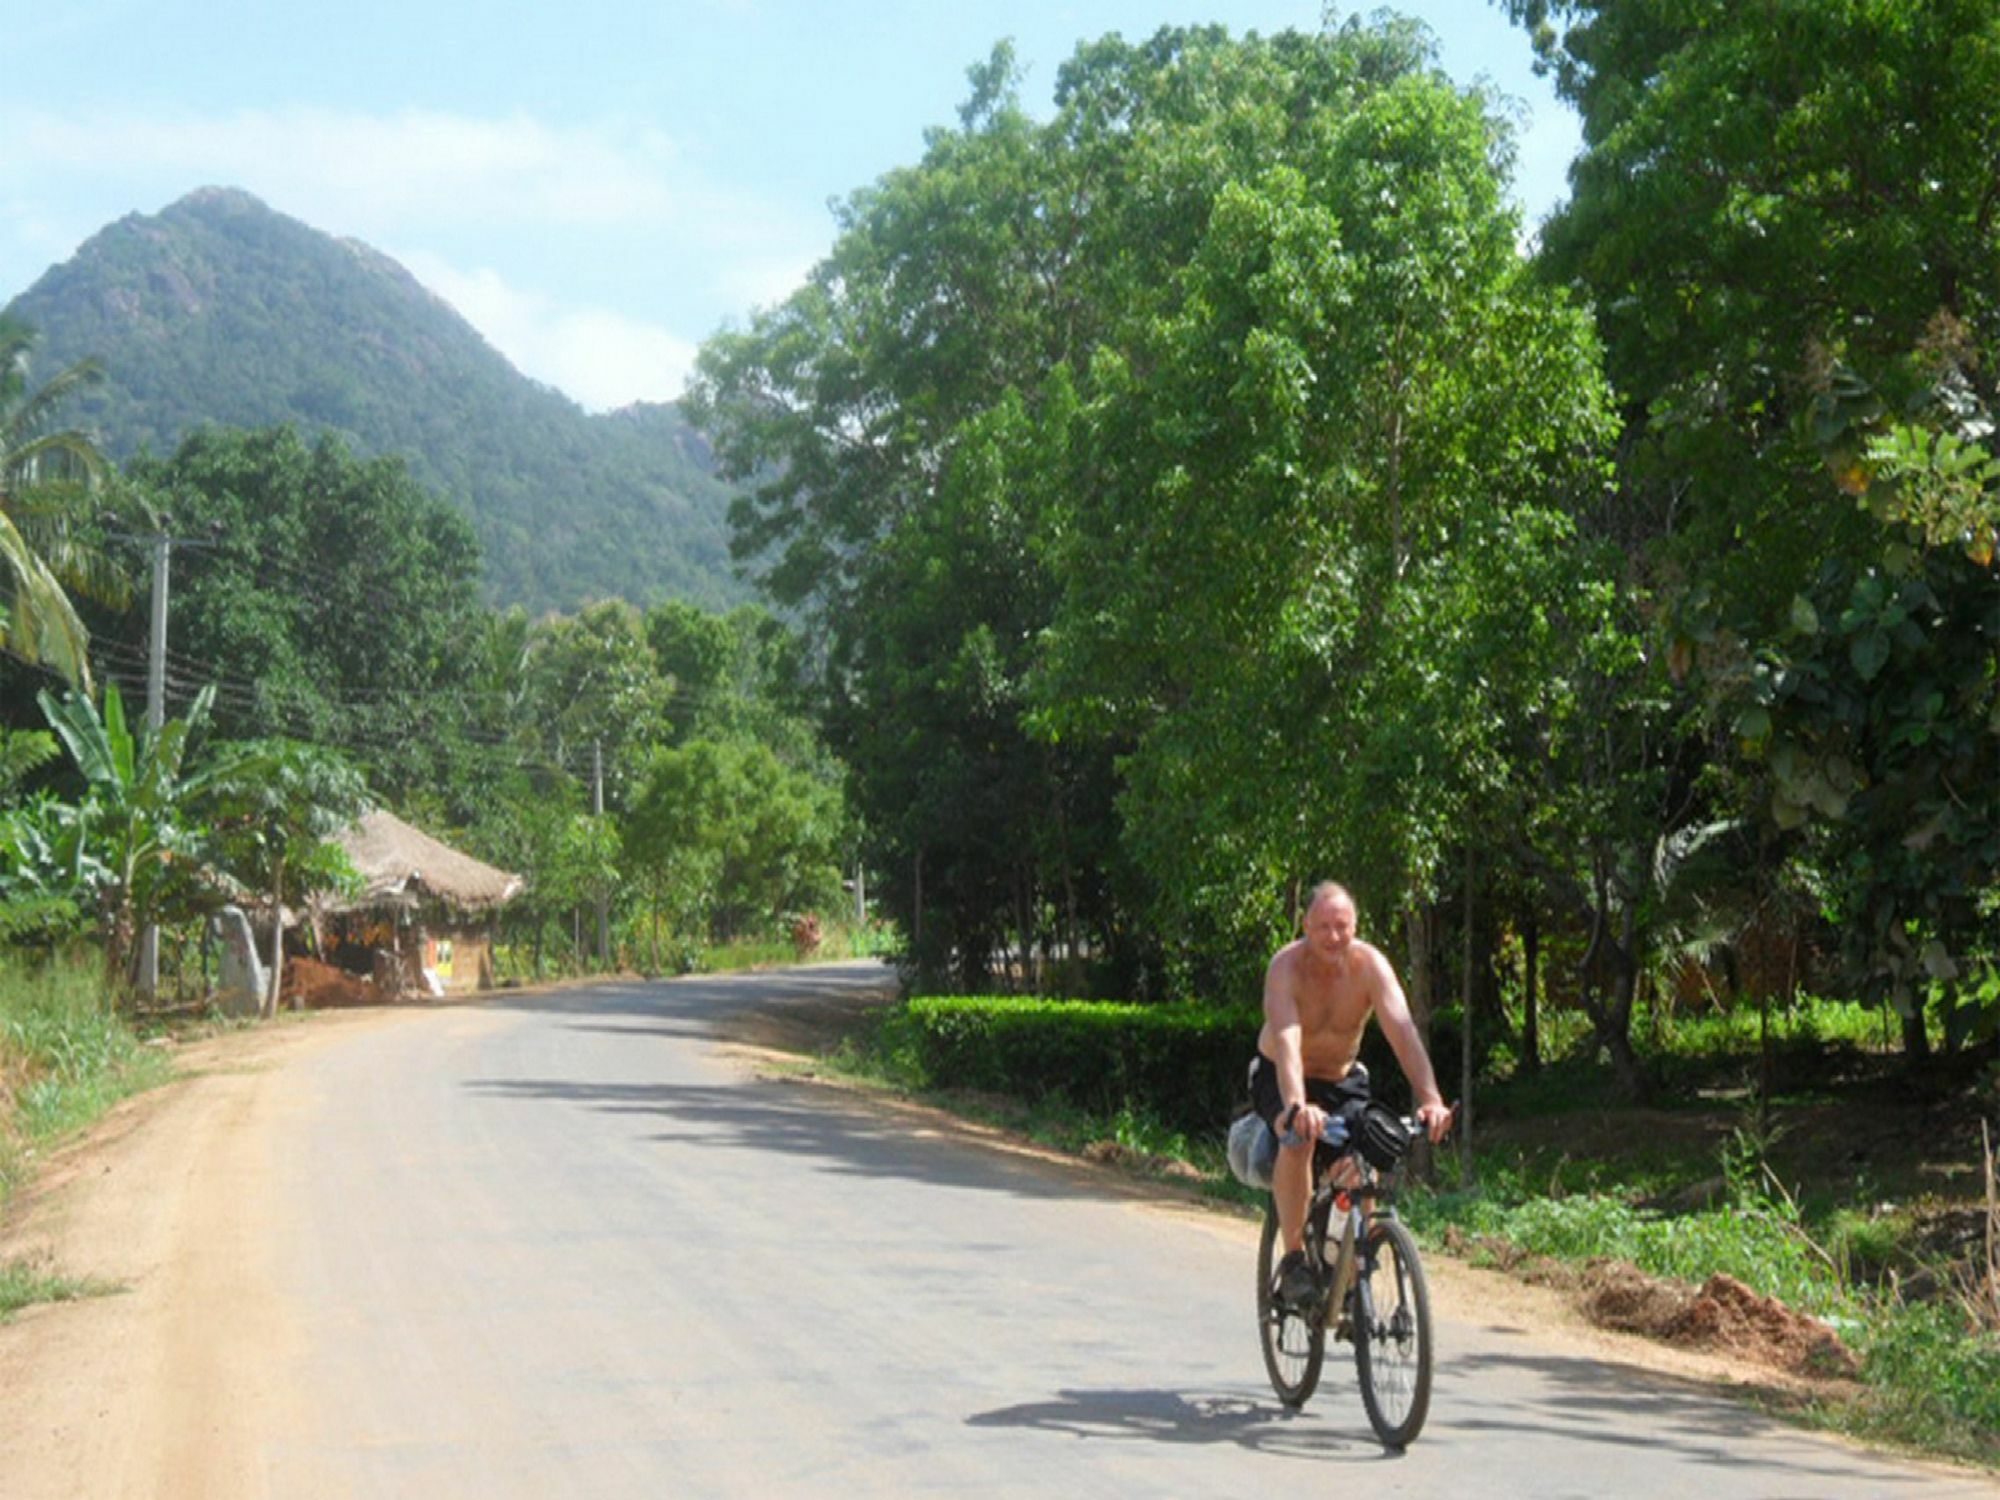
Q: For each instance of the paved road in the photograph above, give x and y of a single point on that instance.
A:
(559, 1246)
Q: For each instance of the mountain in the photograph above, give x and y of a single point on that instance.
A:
(218, 310)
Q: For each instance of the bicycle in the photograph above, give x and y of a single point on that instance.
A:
(1371, 1293)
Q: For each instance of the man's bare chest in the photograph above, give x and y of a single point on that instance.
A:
(1337, 1006)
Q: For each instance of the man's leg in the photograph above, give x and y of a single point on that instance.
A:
(1291, 1187)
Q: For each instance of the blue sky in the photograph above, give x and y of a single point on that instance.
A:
(597, 185)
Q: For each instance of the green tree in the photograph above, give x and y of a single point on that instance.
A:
(594, 695)
(1326, 514)
(907, 419)
(724, 832)
(1784, 217)
(332, 601)
(272, 819)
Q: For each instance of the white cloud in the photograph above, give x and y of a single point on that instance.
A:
(360, 171)
(600, 359)
(758, 282)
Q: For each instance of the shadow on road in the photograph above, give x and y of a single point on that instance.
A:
(1185, 1417)
(780, 1119)
(765, 1117)
(702, 1004)
(1586, 1401)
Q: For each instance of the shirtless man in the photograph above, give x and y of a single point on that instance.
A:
(1318, 994)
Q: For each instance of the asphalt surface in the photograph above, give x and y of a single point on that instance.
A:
(561, 1245)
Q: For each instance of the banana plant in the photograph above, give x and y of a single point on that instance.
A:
(142, 803)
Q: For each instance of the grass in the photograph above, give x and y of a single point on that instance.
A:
(65, 1059)
(24, 1283)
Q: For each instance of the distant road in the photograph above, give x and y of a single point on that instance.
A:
(563, 1245)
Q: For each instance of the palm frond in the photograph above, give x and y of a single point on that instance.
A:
(43, 627)
(42, 469)
(32, 415)
(23, 751)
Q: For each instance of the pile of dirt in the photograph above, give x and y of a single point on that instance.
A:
(1723, 1316)
(323, 987)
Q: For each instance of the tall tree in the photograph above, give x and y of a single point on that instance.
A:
(1317, 568)
(1786, 218)
(952, 290)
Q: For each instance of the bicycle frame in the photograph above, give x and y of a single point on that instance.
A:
(1358, 1204)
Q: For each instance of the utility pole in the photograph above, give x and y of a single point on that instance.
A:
(147, 978)
(146, 957)
(603, 897)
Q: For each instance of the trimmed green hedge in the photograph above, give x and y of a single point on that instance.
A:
(1183, 1064)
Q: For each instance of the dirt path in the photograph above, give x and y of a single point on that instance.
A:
(153, 1391)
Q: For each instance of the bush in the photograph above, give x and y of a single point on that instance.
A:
(1183, 1065)
(65, 1057)
(1936, 1376)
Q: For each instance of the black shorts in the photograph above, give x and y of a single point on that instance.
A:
(1331, 1095)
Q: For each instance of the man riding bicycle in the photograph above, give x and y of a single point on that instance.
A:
(1319, 991)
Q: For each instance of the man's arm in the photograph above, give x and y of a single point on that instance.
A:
(1392, 1011)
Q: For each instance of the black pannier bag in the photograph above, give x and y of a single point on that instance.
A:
(1381, 1136)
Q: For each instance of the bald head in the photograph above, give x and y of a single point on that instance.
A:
(1333, 891)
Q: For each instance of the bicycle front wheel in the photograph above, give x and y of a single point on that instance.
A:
(1391, 1309)
(1294, 1339)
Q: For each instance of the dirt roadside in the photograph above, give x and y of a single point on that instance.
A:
(158, 1389)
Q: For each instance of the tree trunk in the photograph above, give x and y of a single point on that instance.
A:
(1419, 922)
(1916, 1040)
(1763, 1059)
(1611, 1021)
(1465, 989)
(1531, 1029)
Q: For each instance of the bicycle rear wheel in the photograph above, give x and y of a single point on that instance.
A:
(1391, 1308)
(1293, 1339)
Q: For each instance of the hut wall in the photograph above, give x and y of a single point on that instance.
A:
(461, 956)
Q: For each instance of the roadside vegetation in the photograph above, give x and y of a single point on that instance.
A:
(65, 1059)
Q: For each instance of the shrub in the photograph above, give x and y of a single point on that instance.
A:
(1936, 1374)
(65, 1058)
(1181, 1064)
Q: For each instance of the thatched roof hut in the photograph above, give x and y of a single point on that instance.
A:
(402, 866)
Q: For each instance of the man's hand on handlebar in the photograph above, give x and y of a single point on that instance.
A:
(1436, 1117)
(1304, 1124)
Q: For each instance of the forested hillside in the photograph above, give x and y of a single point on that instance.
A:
(220, 312)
